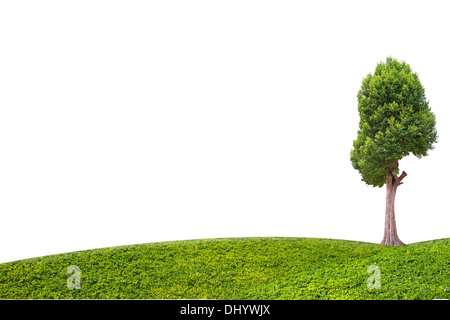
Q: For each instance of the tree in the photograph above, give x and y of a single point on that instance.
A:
(395, 121)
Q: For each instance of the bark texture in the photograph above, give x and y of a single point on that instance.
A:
(390, 228)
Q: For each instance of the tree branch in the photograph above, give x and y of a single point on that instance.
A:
(403, 175)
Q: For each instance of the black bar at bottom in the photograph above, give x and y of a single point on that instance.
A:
(218, 309)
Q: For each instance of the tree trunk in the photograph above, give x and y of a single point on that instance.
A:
(390, 229)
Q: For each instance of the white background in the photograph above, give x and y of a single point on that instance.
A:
(125, 122)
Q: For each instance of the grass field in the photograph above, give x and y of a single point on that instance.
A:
(237, 268)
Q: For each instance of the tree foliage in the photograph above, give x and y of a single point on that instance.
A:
(395, 121)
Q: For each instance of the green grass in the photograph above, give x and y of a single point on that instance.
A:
(237, 268)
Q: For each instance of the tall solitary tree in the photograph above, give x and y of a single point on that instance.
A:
(395, 121)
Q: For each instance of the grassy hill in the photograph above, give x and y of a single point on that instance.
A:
(237, 268)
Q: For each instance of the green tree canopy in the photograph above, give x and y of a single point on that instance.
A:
(395, 121)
